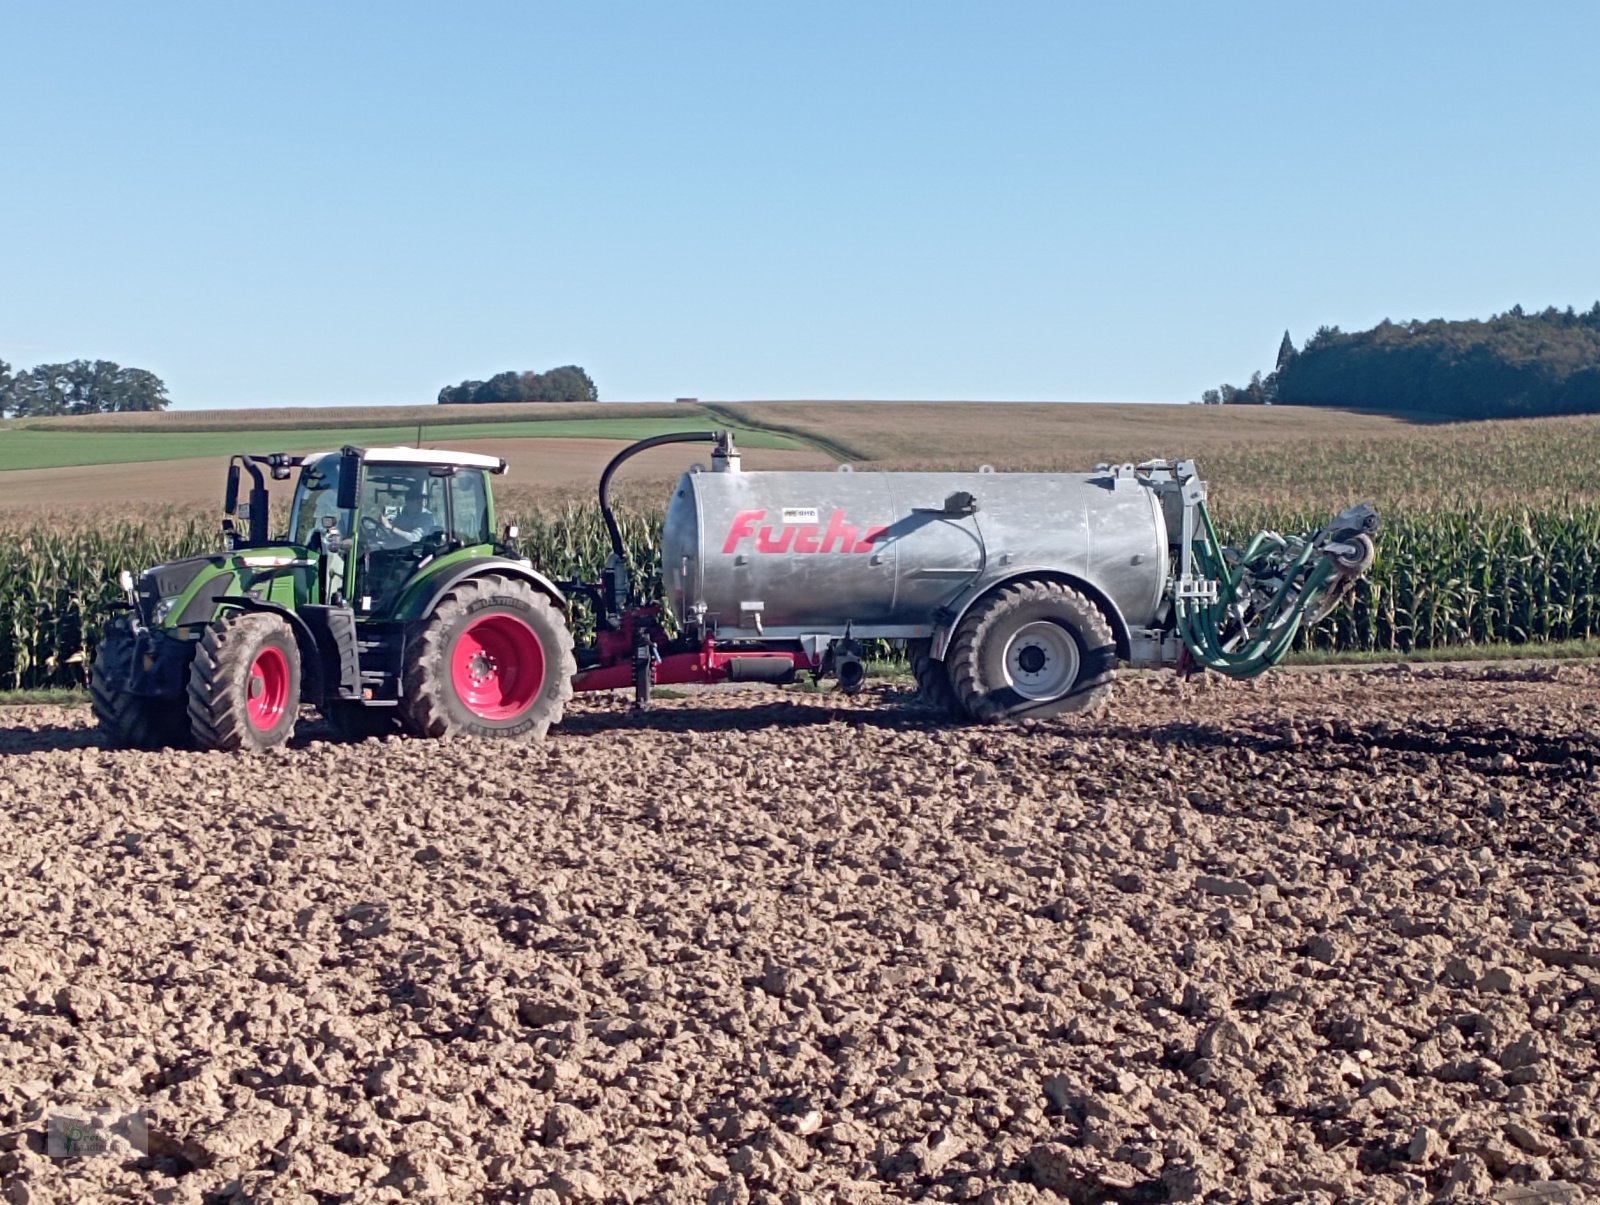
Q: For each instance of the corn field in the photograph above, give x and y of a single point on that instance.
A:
(1443, 578)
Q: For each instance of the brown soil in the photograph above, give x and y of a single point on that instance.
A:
(1327, 936)
(560, 467)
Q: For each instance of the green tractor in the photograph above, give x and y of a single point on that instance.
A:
(391, 604)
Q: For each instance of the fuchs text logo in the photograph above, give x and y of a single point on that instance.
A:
(837, 536)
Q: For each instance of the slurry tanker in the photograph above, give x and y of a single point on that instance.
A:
(394, 603)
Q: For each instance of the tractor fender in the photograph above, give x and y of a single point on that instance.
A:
(310, 655)
(429, 597)
(948, 619)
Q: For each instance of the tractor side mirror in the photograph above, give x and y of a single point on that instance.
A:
(230, 496)
(349, 478)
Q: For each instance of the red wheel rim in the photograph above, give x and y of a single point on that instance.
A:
(497, 667)
(269, 688)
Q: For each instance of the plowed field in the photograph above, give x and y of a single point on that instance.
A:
(1327, 936)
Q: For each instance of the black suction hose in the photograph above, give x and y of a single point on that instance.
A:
(655, 441)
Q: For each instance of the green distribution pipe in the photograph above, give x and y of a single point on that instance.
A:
(1200, 624)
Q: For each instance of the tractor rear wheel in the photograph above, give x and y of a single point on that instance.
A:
(493, 660)
(933, 678)
(133, 721)
(1029, 650)
(244, 685)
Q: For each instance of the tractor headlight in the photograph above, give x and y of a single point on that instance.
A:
(163, 609)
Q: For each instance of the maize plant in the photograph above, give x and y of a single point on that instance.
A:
(1443, 578)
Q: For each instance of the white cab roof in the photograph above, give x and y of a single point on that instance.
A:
(460, 460)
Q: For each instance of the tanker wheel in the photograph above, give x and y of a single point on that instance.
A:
(355, 722)
(933, 678)
(244, 685)
(132, 721)
(494, 660)
(1029, 650)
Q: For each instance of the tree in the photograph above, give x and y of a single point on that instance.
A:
(1286, 351)
(1211, 398)
(82, 387)
(568, 383)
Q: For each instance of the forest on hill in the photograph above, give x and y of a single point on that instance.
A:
(569, 383)
(1512, 365)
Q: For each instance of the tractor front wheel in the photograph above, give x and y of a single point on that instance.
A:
(132, 721)
(493, 660)
(244, 685)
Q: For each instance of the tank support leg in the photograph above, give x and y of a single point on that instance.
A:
(644, 668)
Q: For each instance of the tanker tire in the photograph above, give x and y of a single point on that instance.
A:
(933, 679)
(226, 708)
(132, 721)
(355, 722)
(976, 658)
(432, 706)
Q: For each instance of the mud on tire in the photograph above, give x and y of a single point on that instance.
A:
(1029, 650)
(244, 685)
(493, 660)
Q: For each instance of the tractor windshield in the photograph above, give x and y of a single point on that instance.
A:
(401, 505)
(316, 498)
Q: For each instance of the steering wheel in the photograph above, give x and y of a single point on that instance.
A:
(369, 526)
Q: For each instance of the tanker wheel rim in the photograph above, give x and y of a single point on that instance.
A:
(267, 688)
(1042, 660)
(497, 667)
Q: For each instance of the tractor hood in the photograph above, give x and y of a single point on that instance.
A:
(170, 581)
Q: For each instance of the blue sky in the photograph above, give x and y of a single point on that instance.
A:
(349, 203)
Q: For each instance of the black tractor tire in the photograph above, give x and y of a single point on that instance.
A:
(244, 685)
(355, 722)
(933, 679)
(1030, 650)
(131, 721)
(493, 660)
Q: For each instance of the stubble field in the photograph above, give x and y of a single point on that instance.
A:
(1322, 937)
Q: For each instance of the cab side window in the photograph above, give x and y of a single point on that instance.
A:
(470, 502)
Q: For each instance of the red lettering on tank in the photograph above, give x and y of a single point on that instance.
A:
(766, 542)
(839, 532)
(803, 539)
(874, 534)
(744, 526)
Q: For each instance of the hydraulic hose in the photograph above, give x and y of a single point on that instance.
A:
(617, 461)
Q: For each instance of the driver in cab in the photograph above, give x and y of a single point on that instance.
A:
(413, 522)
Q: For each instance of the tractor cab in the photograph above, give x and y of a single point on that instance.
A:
(379, 516)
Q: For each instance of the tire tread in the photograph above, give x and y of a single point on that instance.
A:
(964, 658)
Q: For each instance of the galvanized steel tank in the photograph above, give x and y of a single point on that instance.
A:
(789, 554)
